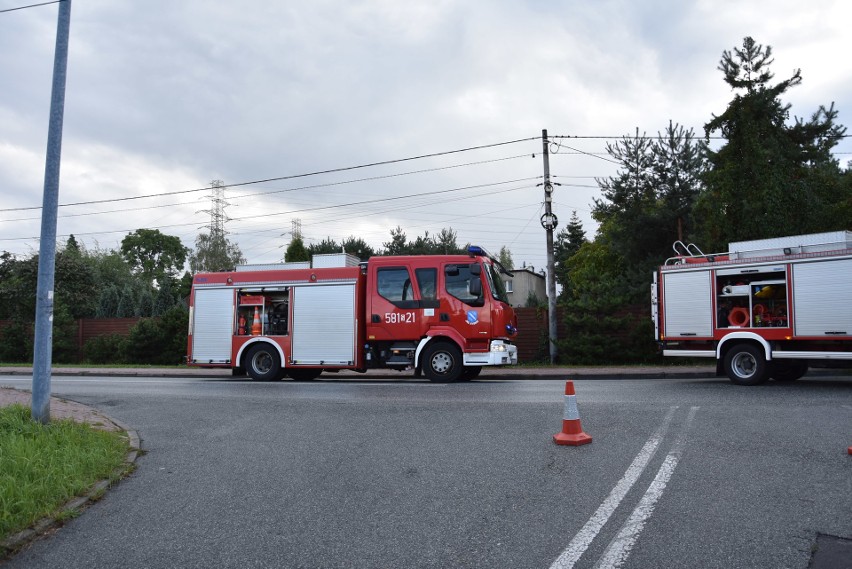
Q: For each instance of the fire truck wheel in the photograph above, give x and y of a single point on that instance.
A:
(746, 365)
(442, 362)
(262, 363)
(787, 372)
(307, 374)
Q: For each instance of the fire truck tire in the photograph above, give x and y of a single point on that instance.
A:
(745, 364)
(303, 374)
(262, 363)
(789, 371)
(442, 362)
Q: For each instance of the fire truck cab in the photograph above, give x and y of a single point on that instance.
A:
(446, 316)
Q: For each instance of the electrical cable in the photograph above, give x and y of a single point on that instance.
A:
(319, 208)
(30, 6)
(281, 178)
(271, 192)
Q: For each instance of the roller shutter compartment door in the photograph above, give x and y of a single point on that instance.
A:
(323, 331)
(688, 304)
(822, 298)
(212, 326)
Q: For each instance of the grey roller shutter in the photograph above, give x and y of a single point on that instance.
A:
(688, 304)
(822, 298)
(213, 322)
(323, 331)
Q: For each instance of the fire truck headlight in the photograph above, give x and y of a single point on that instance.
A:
(498, 347)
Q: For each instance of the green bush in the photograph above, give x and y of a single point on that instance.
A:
(159, 341)
(16, 342)
(174, 325)
(64, 343)
(105, 349)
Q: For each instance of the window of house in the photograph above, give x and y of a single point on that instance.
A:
(508, 284)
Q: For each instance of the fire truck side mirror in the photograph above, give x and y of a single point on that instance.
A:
(474, 286)
(476, 269)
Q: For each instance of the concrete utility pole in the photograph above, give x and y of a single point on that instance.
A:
(549, 222)
(50, 203)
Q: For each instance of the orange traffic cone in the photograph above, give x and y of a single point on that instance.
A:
(572, 432)
(255, 326)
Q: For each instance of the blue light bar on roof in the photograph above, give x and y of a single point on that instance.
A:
(476, 250)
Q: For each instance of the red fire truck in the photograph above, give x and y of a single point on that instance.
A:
(765, 309)
(446, 316)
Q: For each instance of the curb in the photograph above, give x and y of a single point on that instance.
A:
(513, 374)
(18, 541)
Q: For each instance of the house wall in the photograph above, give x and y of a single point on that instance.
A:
(523, 282)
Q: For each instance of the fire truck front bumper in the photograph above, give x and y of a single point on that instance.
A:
(500, 354)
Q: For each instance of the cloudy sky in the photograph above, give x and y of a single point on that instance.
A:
(358, 116)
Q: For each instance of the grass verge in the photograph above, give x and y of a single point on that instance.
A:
(43, 467)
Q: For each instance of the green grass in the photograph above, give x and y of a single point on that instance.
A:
(42, 467)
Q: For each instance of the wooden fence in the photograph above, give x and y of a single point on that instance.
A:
(88, 328)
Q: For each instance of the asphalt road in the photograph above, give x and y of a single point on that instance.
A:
(681, 473)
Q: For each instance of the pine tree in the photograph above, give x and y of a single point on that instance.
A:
(398, 245)
(627, 212)
(568, 242)
(108, 302)
(678, 167)
(126, 303)
(145, 304)
(164, 300)
(296, 251)
(769, 178)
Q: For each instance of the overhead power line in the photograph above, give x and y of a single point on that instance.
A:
(578, 151)
(30, 6)
(270, 192)
(645, 136)
(281, 178)
(318, 208)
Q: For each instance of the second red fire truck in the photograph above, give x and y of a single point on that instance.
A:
(446, 316)
(763, 309)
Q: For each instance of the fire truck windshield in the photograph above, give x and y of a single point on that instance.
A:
(495, 283)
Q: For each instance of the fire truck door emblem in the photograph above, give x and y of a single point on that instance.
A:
(472, 317)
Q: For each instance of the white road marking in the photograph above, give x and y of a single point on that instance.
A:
(590, 530)
(619, 548)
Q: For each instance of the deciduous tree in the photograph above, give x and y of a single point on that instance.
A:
(154, 255)
(214, 252)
